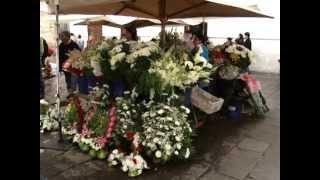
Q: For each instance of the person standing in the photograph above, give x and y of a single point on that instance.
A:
(247, 42)
(199, 44)
(65, 47)
(129, 33)
(240, 40)
(80, 42)
(43, 54)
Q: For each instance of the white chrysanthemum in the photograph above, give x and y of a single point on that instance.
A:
(111, 157)
(114, 163)
(176, 153)
(168, 147)
(44, 102)
(126, 92)
(115, 151)
(179, 146)
(178, 138)
(152, 114)
(161, 111)
(124, 168)
(158, 154)
(177, 123)
(169, 118)
(187, 153)
(156, 140)
(125, 107)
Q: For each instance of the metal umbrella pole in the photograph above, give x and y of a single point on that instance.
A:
(58, 73)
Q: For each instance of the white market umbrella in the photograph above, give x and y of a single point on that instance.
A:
(161, 9)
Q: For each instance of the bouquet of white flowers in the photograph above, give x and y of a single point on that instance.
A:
(166, 131)
(127, 114)
(176, 70)
(49, 121)
(132, 163)
(239, 55)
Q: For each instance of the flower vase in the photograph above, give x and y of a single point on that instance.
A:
(118, 88)
(235, 111)
(91, 81)
(187, 97)
(83, 84)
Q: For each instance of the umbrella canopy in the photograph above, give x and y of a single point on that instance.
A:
(158, 9)
(65, 5)
(161, 9)
(138, 23)
(99, 21)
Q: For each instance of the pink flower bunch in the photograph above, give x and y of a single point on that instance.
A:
(85, 131)
(112, 122)
(252, 83)
(101, 141)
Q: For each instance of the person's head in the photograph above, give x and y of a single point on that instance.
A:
(247, 34)
(240, 36)
(130, 33)
(229, 39)
(65, 36)
(198, 39)
(114, 38)
(79, 36)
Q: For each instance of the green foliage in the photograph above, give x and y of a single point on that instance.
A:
(71, 115)
(99, 123)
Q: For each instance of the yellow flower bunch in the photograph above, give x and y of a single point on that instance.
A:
(234, 57)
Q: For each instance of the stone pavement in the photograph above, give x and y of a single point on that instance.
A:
(225, 150)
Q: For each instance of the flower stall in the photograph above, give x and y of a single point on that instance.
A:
(137, 115)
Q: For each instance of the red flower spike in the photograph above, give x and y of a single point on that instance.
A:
(139, 148)
(113, 118)
(130, 135)
(80, 113)
(112, 123)
(109, 130)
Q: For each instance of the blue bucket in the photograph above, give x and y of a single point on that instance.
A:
(187, 97)
(83, 84)
(117, 88)
(91, 82)
(235, 111)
